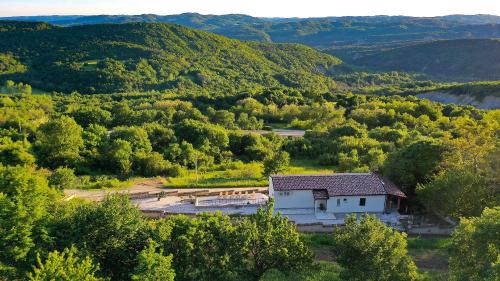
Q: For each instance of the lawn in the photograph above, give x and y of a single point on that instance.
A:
(429, 253)
(240, 174)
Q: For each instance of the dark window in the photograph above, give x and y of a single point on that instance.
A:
(338, 202)
(362, 201)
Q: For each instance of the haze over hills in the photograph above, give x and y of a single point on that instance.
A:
(153, 56)
(461, 59)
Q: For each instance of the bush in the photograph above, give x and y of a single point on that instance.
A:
(62, 178)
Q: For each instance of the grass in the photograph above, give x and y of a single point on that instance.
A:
(322, 271)
(239, 174)
(429, 253)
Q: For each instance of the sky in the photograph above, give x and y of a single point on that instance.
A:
(259, 8)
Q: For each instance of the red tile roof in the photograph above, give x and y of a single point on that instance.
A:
(341, 184)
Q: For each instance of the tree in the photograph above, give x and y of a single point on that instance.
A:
(369, 250)
(416, 163)
(119, 157)
(62, 178)
(458, 192)
(273, 243)
(25, 198)
(276, 162)
(59, 142)
(475, 250)
(136, 136)
(65, 266)
(153, 265)
(209, 247)
(113, 232)
(88, 115)
(15, 153)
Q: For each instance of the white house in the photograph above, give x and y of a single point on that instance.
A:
(329, 198)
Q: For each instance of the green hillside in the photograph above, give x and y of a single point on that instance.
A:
(457, 60)
(151, 56)
(323, 32)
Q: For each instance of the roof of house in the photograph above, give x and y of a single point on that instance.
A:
(320, 194)
(341, 184)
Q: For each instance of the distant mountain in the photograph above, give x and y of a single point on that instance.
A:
(457, 60)
(153, 56)
(317, 32)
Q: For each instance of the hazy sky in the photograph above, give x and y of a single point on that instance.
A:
(262, 8)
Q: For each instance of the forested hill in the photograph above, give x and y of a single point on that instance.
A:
(467, 60)
(152, 56)
(317, 32)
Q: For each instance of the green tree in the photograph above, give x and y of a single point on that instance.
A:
(25, 198)
(136, 136)
(119, 157)
(209, 247)
(59, 142)
(273, 243)
(369, 250)
(65, 266)
(62, 178)
(153, 266)
(14, 153)
(416, 163)
(475, 250)
(113, 232)
(276, 162)
(91, 115)
(458, 192)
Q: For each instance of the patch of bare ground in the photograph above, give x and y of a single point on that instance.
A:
(431, 259)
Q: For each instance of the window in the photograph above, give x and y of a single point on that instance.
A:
(362, 201)
(338, 202)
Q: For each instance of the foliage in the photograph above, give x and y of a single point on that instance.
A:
(209, 247)
(274, 243)
(153, 266)
(157, 56)
(476, 248)
(369, 250)
(457, 193)
(276, 162)
(416, 163)
(113, 231)
(24, 211)
(62, 178)
(59, 142)
(65, 266)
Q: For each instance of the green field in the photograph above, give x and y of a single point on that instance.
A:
(241, 175)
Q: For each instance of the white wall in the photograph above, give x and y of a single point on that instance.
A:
(300, 199)
(374, 204)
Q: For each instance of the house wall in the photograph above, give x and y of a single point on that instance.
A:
(374, 204)
(299, 199)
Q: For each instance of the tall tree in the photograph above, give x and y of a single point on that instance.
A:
(369, 250)
(207, 248)
(274, 243)
(458, 192)
(276, 162)
(113, 231)
(415, 163)
(475, 251)
(59, 142)
(25, 198)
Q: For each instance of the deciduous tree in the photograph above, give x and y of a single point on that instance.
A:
(370, 251)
